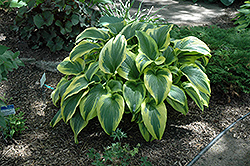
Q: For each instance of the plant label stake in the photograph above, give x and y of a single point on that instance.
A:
(42, 82)
(8, 110)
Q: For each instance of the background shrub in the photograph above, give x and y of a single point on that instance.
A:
(54, 23)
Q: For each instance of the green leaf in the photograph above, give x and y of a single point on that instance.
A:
(128, 69)
(170, 56)
(129, 30)
(77, 123)
(193, 92)
(110, 109)
(158, 83)
(83, 48)
(177, 99)
(68, 106)
(154, 118)
(88, 104)
(55, 95)
(134, 94)
(142, 61)
(106, 20)
(191, 46)
(145, 133)
(114, 86)
(92, 33)
(147, 45)
(197, 77)
(3, 49)
(79, 83)
(38, 20)
(48, 18)
(113, 54)
(56, 118)
(161, 36)
(74, 19)
(69, 67)
(92, 69)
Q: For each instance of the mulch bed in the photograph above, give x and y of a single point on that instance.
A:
(41, 144)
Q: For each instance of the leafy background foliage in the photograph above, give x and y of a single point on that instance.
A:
(243, 16)
(54, 23)
(8, 61)
(229, 67)
(130, 67)
(224, 2)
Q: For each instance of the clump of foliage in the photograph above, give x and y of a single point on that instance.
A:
(8, 61)
(225, 2)
(54, 23)
(117, 154)
(130, 68)
(243, 16)
(14, 125)
(229, 68)
(121, 9)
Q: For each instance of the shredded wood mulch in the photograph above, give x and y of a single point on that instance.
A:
(185, 136)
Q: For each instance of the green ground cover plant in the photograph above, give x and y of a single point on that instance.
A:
(118, 153)
(54, 23)
(243, 16)
(229, 67)
(130, 68)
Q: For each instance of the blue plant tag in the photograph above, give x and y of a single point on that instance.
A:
(8, 110)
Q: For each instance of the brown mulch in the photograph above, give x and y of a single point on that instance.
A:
(40, 144)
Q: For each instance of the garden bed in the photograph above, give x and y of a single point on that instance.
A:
(41, 144)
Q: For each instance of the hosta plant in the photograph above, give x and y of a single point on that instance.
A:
(130, 68)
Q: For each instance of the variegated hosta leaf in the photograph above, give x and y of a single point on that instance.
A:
(128, 68)
(113, 54)
(158, 83)
(114, 86)
(56, 94)
(194, 93)
(83, 48)
(170, 56)
(154, 118)
(69, 105)
(177, 99)
(129, 30)
(115, 24)
(92, 69)
(191, 46)
(56, 118)
(77, 123)
(69, 67)
(161, 36)
(160, 60)
(205, 98)
(92, 33)
(197, 77)
(110, 109)
(147, 45)
(89, 102)
(79, 83)
(144, 132)
(134, 93)
(142, 61)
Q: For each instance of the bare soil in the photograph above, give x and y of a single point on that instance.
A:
(41, 144)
